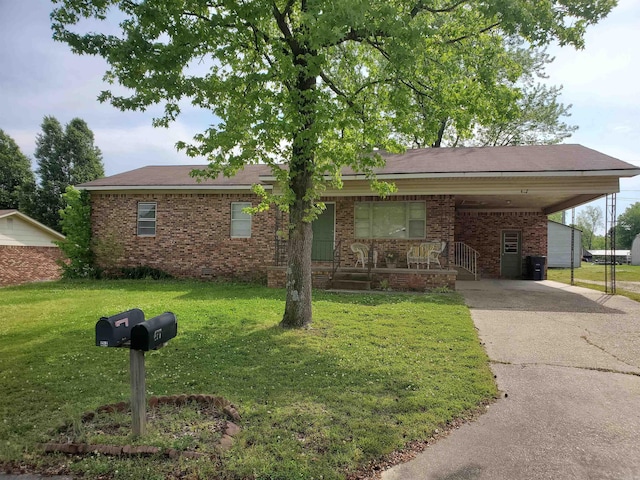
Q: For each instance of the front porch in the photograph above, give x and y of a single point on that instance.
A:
(356, 265)
(351, 278)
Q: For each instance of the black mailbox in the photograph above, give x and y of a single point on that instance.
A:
(154, 333)
(116, 330)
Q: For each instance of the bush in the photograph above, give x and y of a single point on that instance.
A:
(141, 273)
(76, 225)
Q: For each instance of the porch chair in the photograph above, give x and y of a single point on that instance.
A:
(425, 253)
(362, 254)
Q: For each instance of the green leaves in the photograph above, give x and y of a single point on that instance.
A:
(355, 67)
(65, 157)
(16, 178)
(319, 86)
(76, 225)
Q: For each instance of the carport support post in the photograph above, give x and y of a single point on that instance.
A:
(138, 387)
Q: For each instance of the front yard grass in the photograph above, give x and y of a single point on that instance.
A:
(594, 272)
(374, 373)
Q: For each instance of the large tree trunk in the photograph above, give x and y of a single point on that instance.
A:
(297, 312)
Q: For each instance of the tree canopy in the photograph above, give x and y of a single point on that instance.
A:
(589, 220)
(316, 84)
(65, 157)
(628, 226)
(16, 176)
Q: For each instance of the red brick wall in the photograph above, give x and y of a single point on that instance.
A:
(482, 231)
(193, 235)
(440, 226)
(20, 264)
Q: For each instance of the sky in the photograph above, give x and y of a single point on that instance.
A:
(41, 77)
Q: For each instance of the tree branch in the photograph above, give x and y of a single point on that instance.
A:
(464, 37)
(288, 8)
(421, 7)
(282, 24)
(334, 88)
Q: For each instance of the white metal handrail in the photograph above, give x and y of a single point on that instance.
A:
(466, 257)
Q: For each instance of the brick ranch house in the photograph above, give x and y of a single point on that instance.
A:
(489, 205)
(27, 251)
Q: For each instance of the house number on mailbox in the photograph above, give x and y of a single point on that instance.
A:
(157, 335)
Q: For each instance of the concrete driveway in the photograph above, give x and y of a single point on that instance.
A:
(568, 359)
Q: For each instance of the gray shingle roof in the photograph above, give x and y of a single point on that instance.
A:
(534, 159)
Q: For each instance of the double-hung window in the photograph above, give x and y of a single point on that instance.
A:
(390, 219)
(240, 221)
(147, 219)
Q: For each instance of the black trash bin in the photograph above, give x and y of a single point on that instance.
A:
(535, 267)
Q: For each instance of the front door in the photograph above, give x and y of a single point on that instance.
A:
(323, 234)
(511, 259)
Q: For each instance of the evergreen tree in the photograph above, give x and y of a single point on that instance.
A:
(16, 177)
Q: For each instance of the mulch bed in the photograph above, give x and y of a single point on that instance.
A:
(219, 412)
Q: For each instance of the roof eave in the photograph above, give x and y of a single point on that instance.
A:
(556, 173)
(168, 187)
(35, 223)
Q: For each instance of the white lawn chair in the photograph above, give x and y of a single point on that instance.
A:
(425, 254)
(362, 254)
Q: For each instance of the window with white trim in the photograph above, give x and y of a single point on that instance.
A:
(390, 219)
(147, 219)
(240, 221)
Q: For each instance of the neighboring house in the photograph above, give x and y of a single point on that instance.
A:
(621, 256)
(559, 245)
(489, 205)
(27, 251)
(586, 255)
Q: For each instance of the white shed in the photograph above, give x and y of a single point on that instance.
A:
(559, 245)
(635, 251)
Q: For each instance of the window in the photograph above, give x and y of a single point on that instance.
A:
(240, 221)
(147, 219)
(390, 219)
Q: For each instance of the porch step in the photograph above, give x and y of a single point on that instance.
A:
(464, 275)
(342, 284)
(351, 281)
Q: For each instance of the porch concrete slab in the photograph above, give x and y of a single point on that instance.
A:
(568, 359)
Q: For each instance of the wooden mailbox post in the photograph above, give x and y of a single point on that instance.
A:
(129, 329)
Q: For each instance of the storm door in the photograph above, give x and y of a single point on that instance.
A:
(323, 234)
(511, 258)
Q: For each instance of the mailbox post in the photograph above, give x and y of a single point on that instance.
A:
(129, 329)
(137, 375)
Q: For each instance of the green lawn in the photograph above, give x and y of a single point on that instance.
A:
(593, 272)
(373, 373)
